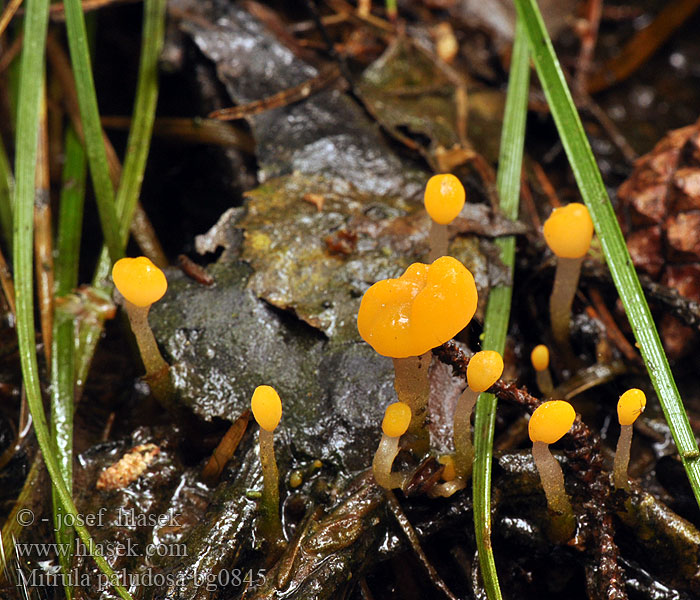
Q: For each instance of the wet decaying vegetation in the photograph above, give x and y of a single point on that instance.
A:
(274, 224)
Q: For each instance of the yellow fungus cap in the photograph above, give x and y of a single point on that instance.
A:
(139, 280)
(540, 357)
(444, 198)
(569, 230)
(630, 405)
(484, 369)
(397, 417)
(449, 472)
(550, 421)
(425, 307)
(267, 407)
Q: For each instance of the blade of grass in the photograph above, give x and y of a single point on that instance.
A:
(498, 307)
(92, 128)
(144, 113)
(141, 126)
(29, 99)
(70, 220)
(595, 196)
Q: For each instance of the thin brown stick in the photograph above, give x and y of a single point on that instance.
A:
(56, 129)
(145, 235)
(8, 13)
(546, 185)
(8, 286)
(141, 229)
(611, 329)
(413, 540)
(643, 45)
(589, 38)
(612, 130)
(327, 20)
(293, 94)
(529, 201)
(107, 430)
(43, 240)
(193, 131)
(365, 591)
(374, 21)
(11, 53)
(226, 448)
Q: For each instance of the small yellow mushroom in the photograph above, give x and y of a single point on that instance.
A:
(141, 284)
(397, 418)
(483, 370)
(451, 482)
(540, 361)
(267, 410)
(568, 233)
(404, 318)
(549, 423)
(449, 473)
(444, 199)
(630, 405)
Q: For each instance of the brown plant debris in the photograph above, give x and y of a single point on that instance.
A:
(128, 468)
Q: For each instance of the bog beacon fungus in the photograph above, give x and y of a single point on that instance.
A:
(267, 410)
(405, 318)
(395, 423)
(444, 199)
(483, 370)
(630, 405)
(568, 233)
(540, 362)
(141, 284)
(548, 424)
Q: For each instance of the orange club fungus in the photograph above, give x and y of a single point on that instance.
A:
(630, 405)
(548, 424)
(540, 362)
(568, 233)
(267, 411)
(405, 318)
(444, 199)
(483, 370)
(396, 419)
(141, 284)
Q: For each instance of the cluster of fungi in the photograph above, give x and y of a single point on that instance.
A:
(404, 319)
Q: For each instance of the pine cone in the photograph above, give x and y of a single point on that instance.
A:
(659, 212)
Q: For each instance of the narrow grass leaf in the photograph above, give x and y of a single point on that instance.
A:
(70, 221)
(141, 128)
(92, 128)
(499, 302)
(30, 87)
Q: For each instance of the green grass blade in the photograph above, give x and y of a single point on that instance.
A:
(70, 221)
(144, 114)
(595, 196)
(92, 128)
(7, 184)
(498, 307)
(31, 81)
(141, 126)
(70, 218)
